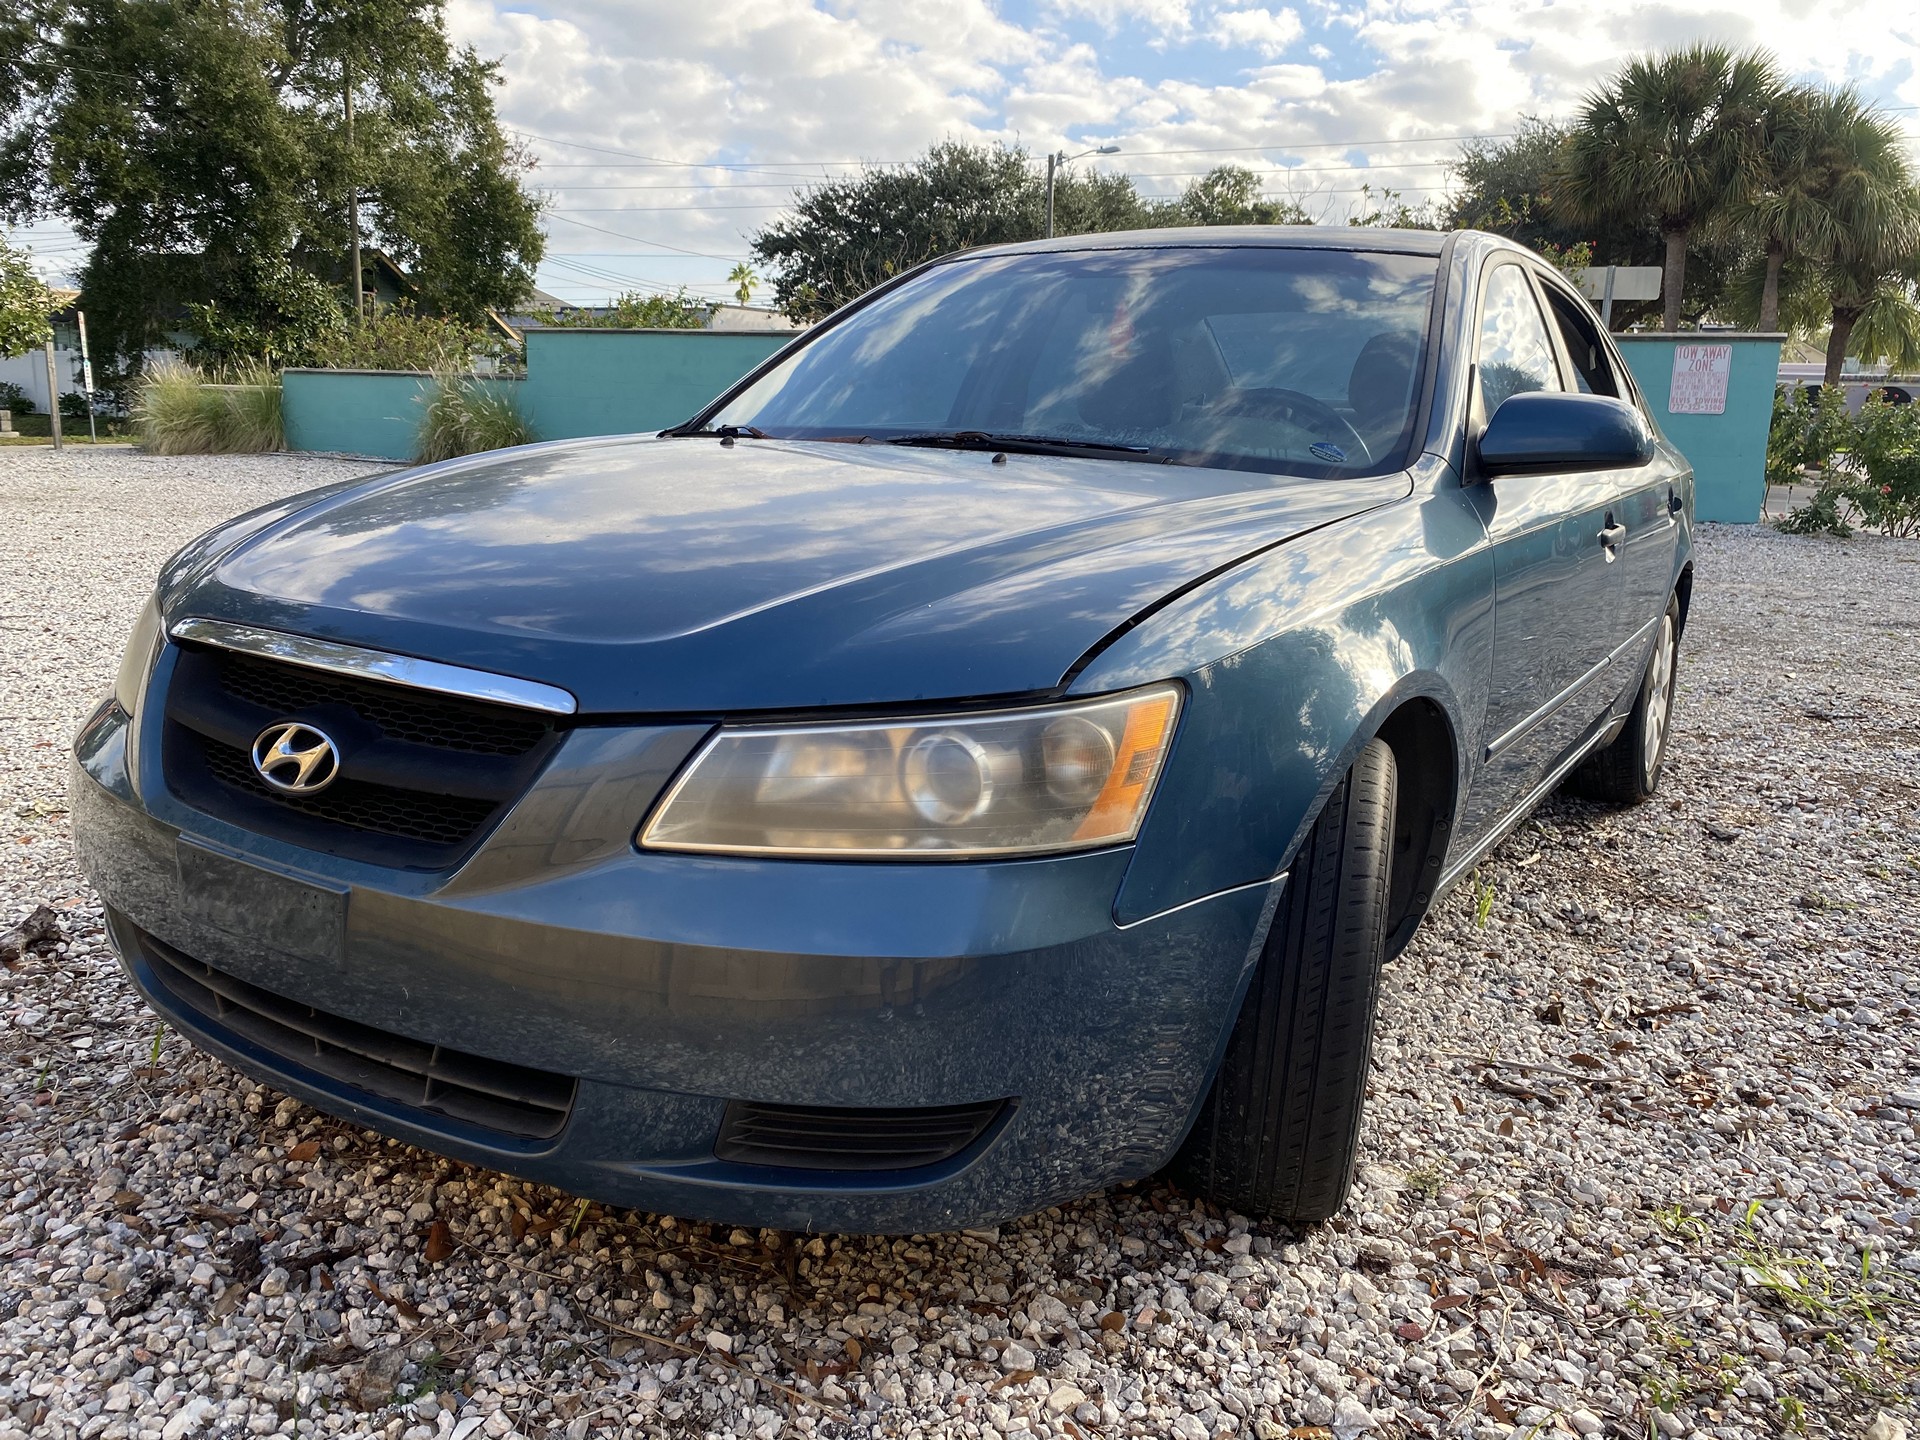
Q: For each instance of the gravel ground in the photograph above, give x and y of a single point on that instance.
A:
(1642, 1150)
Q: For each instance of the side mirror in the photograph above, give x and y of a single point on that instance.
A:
(1541, 431)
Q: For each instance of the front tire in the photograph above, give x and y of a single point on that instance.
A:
(1627, 772)
(1279, 1130)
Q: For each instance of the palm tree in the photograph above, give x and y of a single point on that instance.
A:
(1871, 280)
(1676, 136)
(1833, 166)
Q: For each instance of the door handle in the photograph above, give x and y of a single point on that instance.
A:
(1611, 535)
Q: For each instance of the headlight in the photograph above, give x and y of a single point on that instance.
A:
(131, 681)
(1067, 777)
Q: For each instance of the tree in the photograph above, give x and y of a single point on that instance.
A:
(1230, 195)
(843, 238)
(26, 305)
(203, 149)
(1870, 279)
(744, 282)
(1832, 166)
(1506, 187)
(1388, 209)
(1676, 136)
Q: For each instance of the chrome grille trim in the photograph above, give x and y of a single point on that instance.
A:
(362, 664)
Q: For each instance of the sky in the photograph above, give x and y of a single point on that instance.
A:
(664, 134)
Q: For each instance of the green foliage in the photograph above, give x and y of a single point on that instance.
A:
(843, 238)
(179, 410)
(74, 405)
(744, 281)
(13, 398)
(1673, 135)
(1571, 261)
(26, 305)
(397, 337)
(1390, 210)
(1871, 464)
(465, 415)
(201, 149)
(637, 311)
(1886, 446)
(279, 315)
(1230, 195)
(1808, 426)
(1506, 186)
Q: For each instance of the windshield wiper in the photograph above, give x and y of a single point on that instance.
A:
(1036, 444)
(726, 432)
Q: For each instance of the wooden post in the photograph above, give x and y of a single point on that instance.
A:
(353, 200)
(53, 397)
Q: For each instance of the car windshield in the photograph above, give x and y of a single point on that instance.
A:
(1293, 361)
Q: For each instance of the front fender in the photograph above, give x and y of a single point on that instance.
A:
(1292, 662)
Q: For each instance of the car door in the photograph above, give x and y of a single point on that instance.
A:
(1559, 597)
(1645, 500)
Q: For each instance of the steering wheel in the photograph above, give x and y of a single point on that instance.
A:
(1294, 407)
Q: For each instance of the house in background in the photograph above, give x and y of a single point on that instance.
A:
(29, 372)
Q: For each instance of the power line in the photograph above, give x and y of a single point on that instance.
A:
(641, 240)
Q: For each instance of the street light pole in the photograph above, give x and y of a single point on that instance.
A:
(1058, 160)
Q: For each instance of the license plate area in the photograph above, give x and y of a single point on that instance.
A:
(253, 908)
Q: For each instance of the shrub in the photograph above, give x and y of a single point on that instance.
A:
(635, 311)
(398, 338)
(1885, 488)
(13, 398)
(180, 411)
(1822, 515)
(1810, 425)
(466, 415)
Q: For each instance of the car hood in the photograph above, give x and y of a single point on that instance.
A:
(685, 575)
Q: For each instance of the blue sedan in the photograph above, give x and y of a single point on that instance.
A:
(987, 755)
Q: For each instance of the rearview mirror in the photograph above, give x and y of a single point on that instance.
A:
(1541, 431)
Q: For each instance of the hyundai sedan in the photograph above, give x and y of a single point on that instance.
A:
(987, 755)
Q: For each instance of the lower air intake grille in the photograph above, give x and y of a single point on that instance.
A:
(807, 1137)
(510, 1099)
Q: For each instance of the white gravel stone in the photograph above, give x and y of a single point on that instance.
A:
(1703, 1013)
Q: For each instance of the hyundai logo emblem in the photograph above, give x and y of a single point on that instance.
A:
(296, 759)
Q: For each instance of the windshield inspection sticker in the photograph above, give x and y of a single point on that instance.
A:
(1332, 454)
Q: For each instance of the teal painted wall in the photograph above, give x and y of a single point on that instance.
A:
(613, 382)
(579, 382)
(1728, 452)
(353, 412)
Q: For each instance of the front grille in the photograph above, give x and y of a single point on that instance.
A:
(419, 716)
(825, 1137)
(511, 1100)
(422, 776)
(383, 809)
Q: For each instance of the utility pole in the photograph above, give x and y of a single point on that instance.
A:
(353, 199)
(1052, 159)
(53, 396)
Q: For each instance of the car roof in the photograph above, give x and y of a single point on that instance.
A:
(1212, 237)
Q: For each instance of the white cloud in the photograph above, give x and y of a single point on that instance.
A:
(774, 83)
(1268, 31)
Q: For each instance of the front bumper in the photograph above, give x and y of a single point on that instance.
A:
(669, 985)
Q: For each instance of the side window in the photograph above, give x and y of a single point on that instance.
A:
(1592, 371)
(1515, 353)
